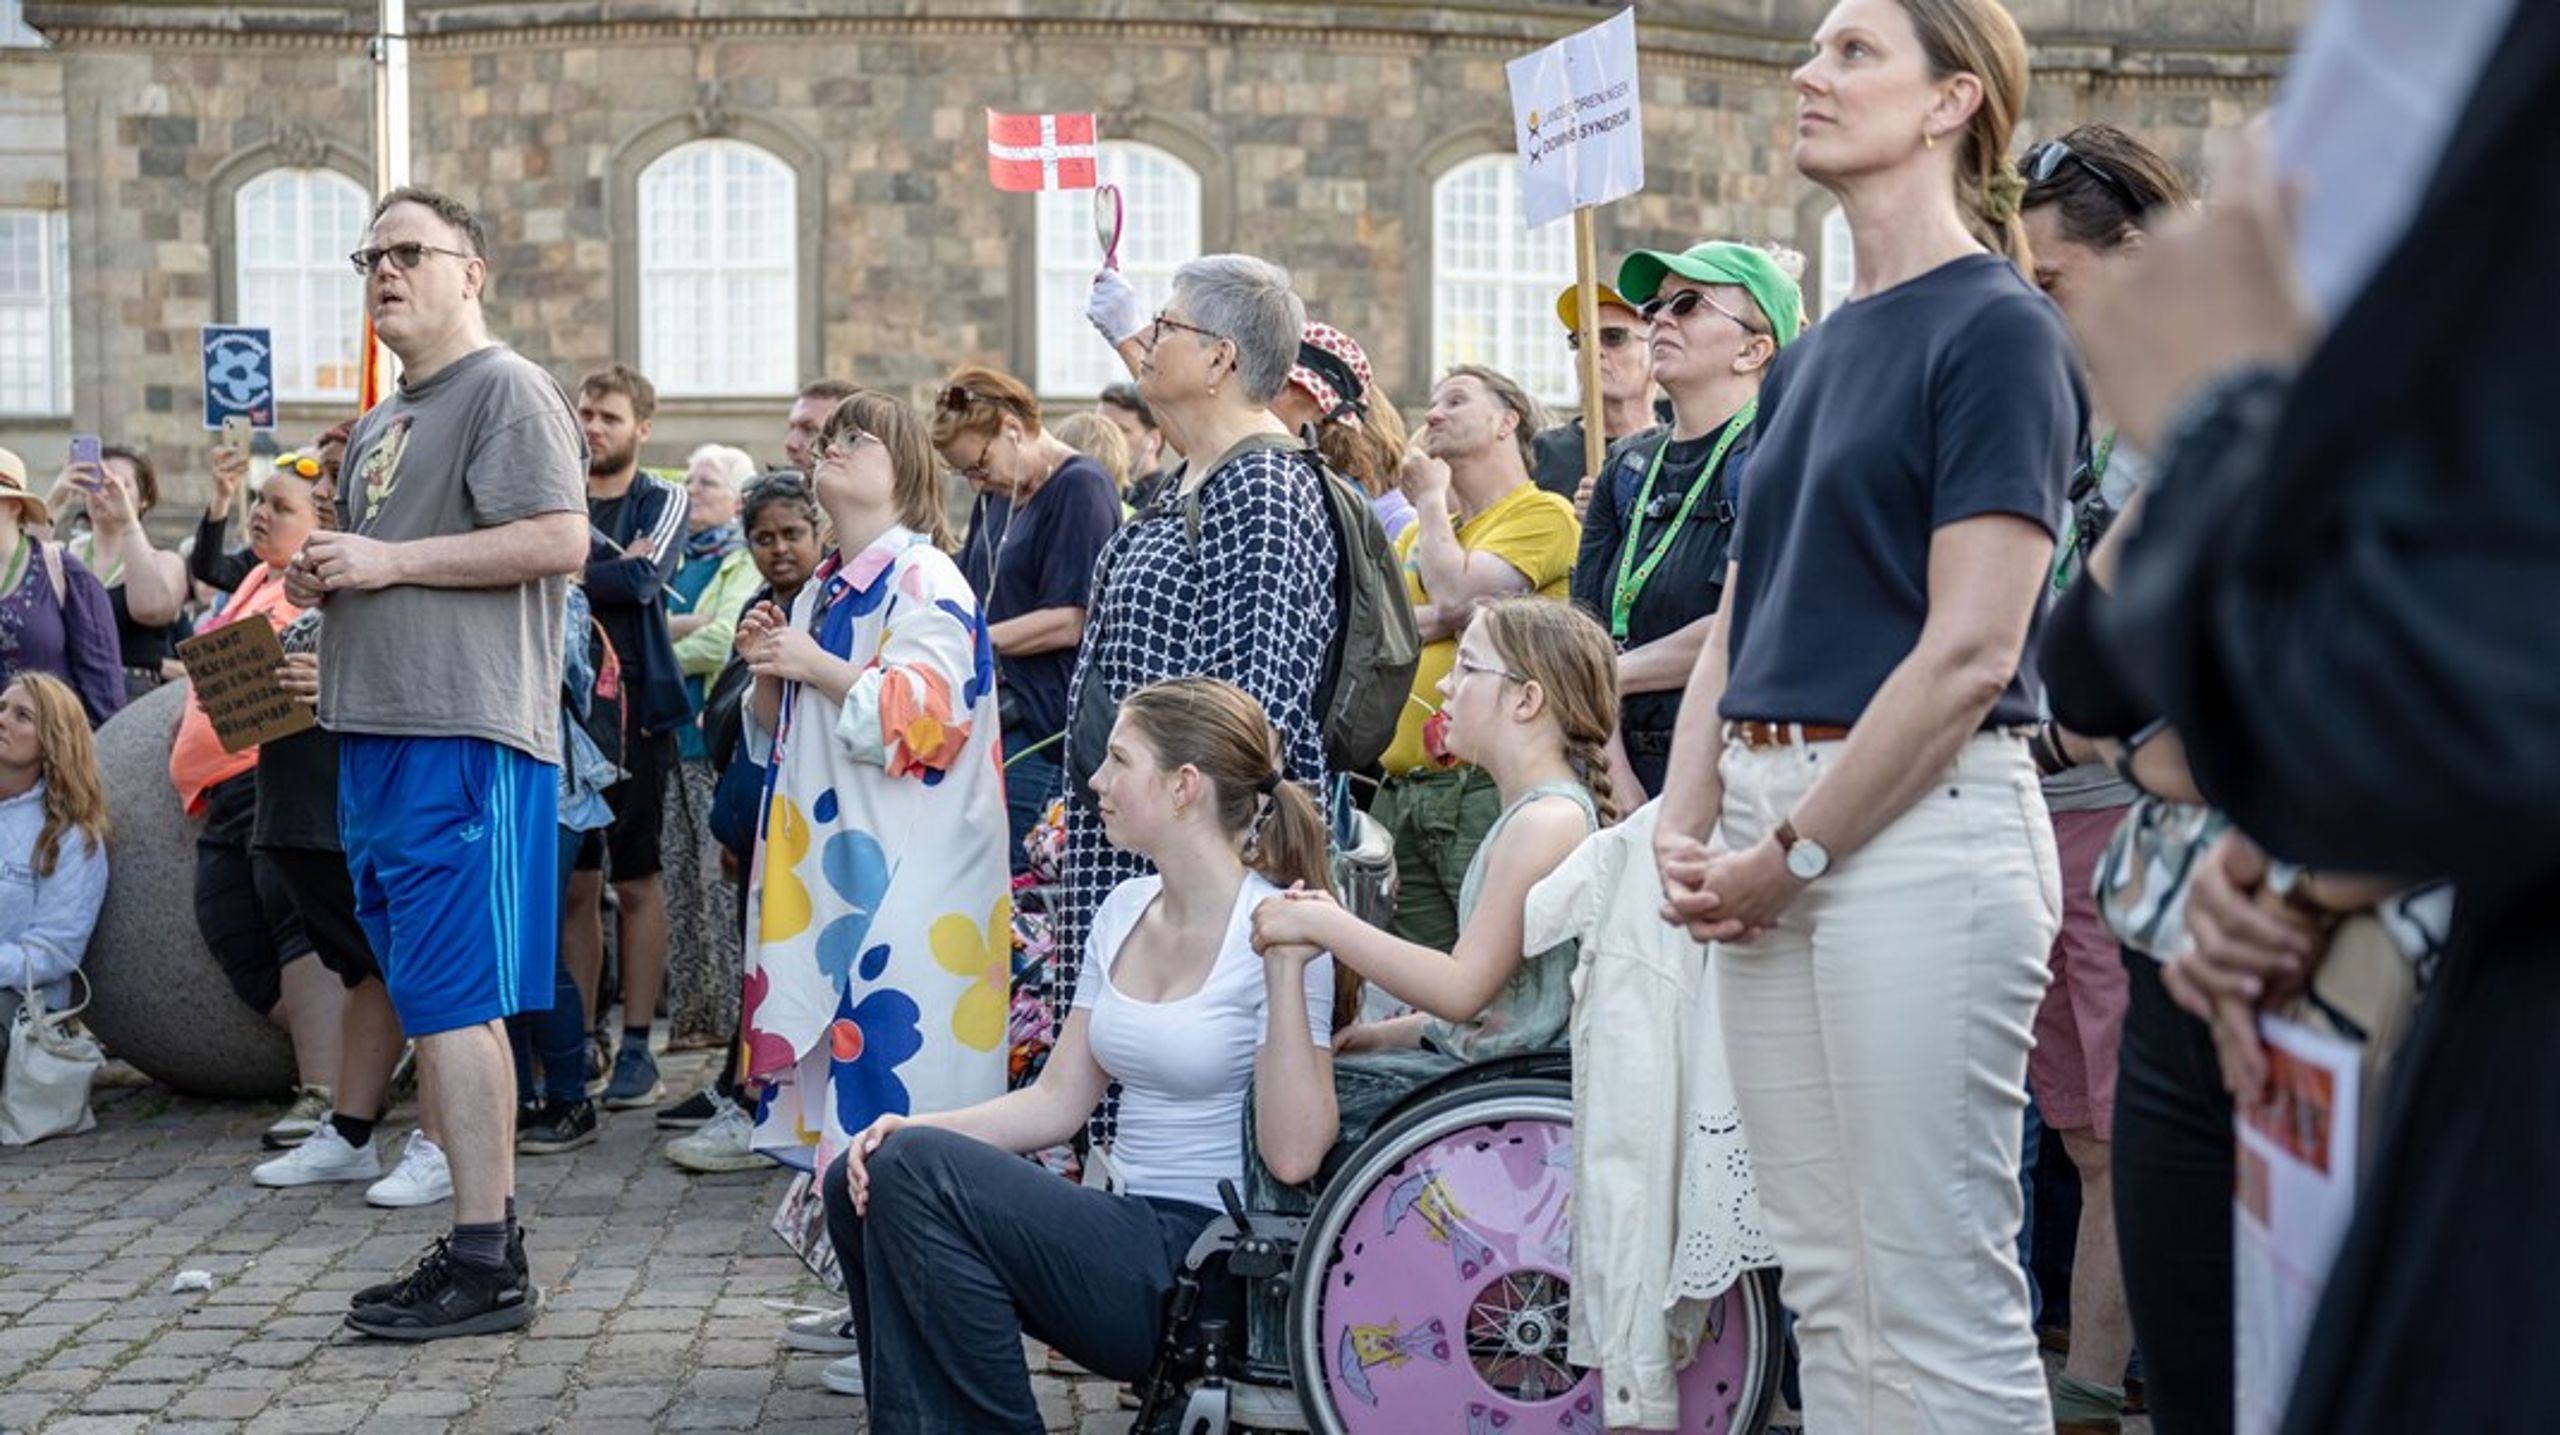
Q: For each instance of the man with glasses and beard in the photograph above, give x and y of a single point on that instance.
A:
(446, 582)
(636, 541)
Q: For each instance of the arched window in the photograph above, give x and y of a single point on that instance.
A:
(295, 228)
(719, 271)
(1839, 261)
(1160, 196)
(1493, 283)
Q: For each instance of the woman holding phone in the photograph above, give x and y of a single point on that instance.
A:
(116, 488)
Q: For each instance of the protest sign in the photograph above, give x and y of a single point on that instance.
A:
(233, 669)
(2296, 1190)
(1580, 121)
(1579, 114)
(239, 375)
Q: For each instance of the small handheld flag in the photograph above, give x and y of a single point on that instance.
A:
(1031, 152)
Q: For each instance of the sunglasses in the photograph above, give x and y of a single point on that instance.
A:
(300, 465)
(406, 256)
(955, 399)
(2046, 160)
(1614, 336)
(1685, 303)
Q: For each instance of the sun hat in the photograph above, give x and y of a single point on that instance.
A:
(1330, 362)
(13, 485)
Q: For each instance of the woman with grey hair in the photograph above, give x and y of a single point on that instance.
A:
(1229, 575)
(704, 599)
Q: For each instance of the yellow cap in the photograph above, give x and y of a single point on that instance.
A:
(1569, 304)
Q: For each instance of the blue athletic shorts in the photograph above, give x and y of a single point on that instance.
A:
(454, 846)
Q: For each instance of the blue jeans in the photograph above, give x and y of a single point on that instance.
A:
(967, 1249)
(1031, 780)
(556, 1036)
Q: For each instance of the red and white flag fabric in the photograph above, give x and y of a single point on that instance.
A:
(1028, 152)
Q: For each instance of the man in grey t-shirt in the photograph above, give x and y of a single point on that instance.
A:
(462, 509)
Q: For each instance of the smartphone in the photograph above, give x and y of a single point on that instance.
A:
(235, 433)
(86, 448)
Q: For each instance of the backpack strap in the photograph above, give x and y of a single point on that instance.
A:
(1250, 443)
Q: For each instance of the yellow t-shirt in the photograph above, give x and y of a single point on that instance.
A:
(1530, 529)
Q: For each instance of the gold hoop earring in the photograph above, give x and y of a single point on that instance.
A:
(1928, 140)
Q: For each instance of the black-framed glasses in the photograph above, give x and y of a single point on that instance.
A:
(2046, 160)
(977, 472)
(406, 256)
(1685, 303)
(1612, 336)
(1164, 321)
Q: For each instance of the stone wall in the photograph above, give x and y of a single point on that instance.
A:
(1317, 131)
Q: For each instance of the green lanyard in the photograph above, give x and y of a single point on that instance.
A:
(16, 569)
(2068, 559)
(1632, 576)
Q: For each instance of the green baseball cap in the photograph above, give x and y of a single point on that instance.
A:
(1720, 261)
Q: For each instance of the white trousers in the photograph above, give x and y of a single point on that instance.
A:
(1878, 1035)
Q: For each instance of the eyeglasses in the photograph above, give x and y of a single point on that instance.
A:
(977, 472)
(1615, 336)
(301, 465)
(1164, 321)
(406, 256)
(846, 443)
(1685, 303)
(1464, 667)
(2046, 161)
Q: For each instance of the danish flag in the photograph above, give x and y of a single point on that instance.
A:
(1026, 152)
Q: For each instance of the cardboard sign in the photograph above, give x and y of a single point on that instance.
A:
(234, 672)
(239, 375)
(1576, 109)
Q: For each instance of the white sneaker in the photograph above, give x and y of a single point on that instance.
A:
(825, 1332)
(421, 1179)
(844, 1377)
(725, 1142)
(324, 1156)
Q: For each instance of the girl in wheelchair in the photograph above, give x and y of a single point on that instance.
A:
(1531, 699)
(953, 1247)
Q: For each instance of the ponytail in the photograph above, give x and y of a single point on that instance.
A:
(1980, 38)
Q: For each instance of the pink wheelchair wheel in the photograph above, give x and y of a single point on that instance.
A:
(1434, 1285)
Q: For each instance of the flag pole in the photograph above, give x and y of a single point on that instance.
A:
(1586, 261)
(390, 55)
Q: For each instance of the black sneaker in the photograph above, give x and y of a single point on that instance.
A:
(692, 1112)
(556, 1126)
(377, 1294)
(447, 1297)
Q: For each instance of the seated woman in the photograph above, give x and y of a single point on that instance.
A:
(53, 841)
(1531, 700)
(954, 1248)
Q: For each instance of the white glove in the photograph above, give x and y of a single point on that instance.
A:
(1113, 308)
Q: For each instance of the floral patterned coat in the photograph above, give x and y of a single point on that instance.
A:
(878, 953)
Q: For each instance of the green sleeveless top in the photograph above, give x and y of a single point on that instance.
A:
(1532, 1010)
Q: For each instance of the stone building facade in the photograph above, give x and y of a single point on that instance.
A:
(1318, 134)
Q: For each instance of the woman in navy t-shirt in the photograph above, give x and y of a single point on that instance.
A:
(1042, 514)
(1864, 840)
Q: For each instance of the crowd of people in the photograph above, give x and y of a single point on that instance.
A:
(1980, 651)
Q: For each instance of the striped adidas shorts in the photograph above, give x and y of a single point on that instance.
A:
(454, 847)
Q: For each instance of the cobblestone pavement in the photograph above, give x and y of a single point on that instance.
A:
(656, 1288)
(660, 1293)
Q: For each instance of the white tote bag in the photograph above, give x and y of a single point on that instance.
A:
(44, 1087)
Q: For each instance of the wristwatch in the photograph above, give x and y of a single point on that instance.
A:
(1807, 859)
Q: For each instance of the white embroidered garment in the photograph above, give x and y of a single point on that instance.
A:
(1666, 1210)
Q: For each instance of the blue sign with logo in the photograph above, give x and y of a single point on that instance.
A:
(239, 375)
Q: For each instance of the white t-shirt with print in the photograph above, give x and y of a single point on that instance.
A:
(1184, 1065)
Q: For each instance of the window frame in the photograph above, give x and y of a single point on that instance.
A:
(1066, 356)
(673, 382)
(52, 300)
(1521, 301)
(293, 384)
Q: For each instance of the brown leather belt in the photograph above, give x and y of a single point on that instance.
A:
(1760, 736)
